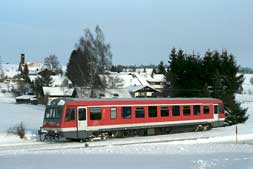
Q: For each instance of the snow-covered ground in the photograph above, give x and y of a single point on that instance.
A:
(198, 150)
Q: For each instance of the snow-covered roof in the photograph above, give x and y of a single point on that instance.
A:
(57, 80)
(107, 93)
(26, 97)
(34, 66)
(126, 79)
(156, 78)
(136, 88)
(58, 91)
(32, 77)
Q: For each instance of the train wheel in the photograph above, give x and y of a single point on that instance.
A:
(199, 128)
(207, 127)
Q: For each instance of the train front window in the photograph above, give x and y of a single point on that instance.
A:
(53, 113)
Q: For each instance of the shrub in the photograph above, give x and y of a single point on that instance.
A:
(18, 129)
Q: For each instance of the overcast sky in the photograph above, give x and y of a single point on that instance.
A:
(139, 31)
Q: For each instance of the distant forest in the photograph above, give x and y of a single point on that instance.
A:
(246, 70)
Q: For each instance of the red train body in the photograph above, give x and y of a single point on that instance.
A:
(83, 119)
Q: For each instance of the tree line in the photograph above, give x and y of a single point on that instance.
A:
(213, 75)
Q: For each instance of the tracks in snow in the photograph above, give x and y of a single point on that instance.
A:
(55, 146)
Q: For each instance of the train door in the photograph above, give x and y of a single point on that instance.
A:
(81, 121)
(216, 112)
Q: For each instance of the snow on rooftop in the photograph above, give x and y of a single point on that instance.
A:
(125, 79)
(26, 97)
(156, 78)
(58, 91)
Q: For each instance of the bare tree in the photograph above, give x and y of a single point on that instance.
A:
(103, 51)
(91, 57)
(52, 63)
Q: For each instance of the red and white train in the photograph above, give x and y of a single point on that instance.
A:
(84, 119)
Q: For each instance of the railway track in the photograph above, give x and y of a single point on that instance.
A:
(55, 146)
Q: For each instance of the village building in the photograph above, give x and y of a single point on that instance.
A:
(58, 92)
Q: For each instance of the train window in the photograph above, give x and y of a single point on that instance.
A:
(176, 110)
(152, 111)
(113, 113)
(126, 112)
(139, 112)
(164, 111)
(216, 110)
(95, 113)
(53, 113)
(70, 114)
(187, 110)
(206, 109)
(196, 109)
(81, 114)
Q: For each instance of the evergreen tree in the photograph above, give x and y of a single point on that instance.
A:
(216, 75)
(153, 72)
(117, 68)
(39, 83)
(25, 74)
(161, 68)
(1, 69)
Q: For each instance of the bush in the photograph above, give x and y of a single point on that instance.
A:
(3, 91)
(18, 129)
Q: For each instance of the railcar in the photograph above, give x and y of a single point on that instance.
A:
(88, 118)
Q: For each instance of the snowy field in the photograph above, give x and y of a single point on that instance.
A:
(198, 150)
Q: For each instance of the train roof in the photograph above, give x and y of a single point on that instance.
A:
(62, 101)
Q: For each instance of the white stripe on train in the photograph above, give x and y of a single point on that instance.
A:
(94, 128)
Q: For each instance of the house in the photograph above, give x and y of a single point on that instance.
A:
(157, 81)
(26, 99)
(57, 92)
(143, 91)
(138, 84)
